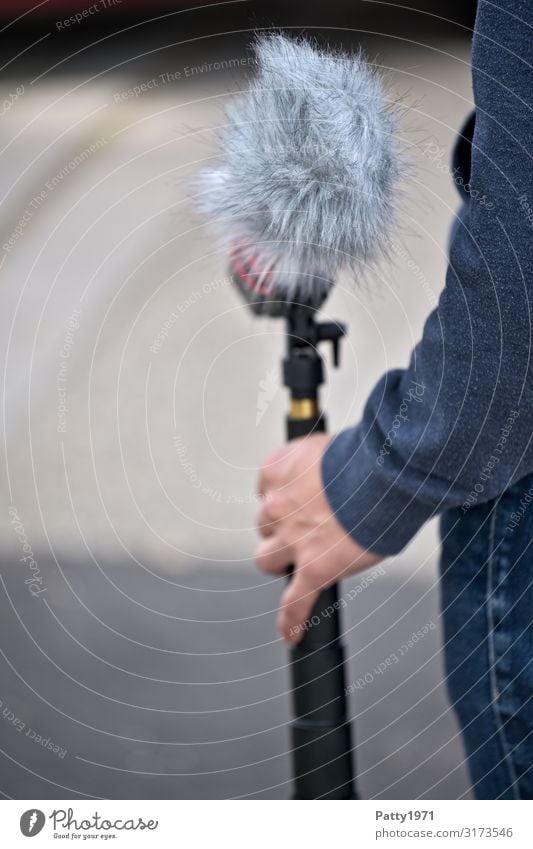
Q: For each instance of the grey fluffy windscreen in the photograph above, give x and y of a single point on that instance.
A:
(307, 162)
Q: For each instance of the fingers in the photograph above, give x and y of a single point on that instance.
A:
(297, 603)
(271, 512)
(271, 474)
(273, 557)
(266, 520)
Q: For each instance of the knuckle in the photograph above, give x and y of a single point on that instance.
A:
(270, 511)
(267, 476)
(276, 506)
(264, 516)
(283, 537)
(261, 561)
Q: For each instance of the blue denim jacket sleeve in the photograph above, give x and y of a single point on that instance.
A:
(455, 428)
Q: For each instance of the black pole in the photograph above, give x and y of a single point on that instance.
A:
(320, 731)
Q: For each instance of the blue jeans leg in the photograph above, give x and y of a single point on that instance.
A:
(487, 606)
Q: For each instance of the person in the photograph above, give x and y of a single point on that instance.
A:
(463, 448)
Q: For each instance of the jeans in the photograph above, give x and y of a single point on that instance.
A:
(487, 606)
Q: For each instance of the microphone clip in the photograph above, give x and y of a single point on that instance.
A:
(303, 367)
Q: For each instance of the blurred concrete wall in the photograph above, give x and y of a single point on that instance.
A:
(134, 421)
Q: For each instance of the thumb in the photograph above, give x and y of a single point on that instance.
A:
(296, 605)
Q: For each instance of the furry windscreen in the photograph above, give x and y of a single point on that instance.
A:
(307, 163)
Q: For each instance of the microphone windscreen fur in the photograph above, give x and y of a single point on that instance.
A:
(308, 164)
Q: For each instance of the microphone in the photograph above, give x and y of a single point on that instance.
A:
(304, 189)
(308, 164)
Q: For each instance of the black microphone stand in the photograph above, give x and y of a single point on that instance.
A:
(320, 731)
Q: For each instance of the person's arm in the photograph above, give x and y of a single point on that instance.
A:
(455, 428)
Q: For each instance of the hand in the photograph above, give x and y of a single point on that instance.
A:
(298, 527)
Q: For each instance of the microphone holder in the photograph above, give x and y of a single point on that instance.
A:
(320, 731)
